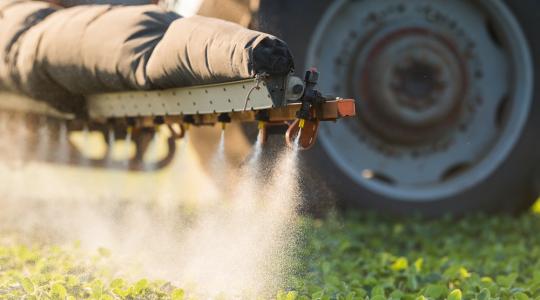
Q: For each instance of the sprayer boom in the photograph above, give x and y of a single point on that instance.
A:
(284, 101)
(271, 100)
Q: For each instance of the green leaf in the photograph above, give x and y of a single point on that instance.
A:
(178, 294)
(418, 264)
(400, 264)
(486, 279)
(412, 282)
(27, 285)
(484, 294)
(316, 295)
(521, 296)
(435, 291)
(118, 283)
(455, 295)
(464, 273)
(72, 281)
(291, 296)
(378, 291)
(121, 292)
(351, 296)
(58, 291)
(97, 288)
(396, 295)
(508, 280)
(140, 286)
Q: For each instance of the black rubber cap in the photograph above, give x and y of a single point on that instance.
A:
(272, 56)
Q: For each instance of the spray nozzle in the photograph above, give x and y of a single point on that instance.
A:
(311, 96)
(262, 117)
(224, 118)
(188, 120)
(130, 122)
(306, 126)
(302, 123)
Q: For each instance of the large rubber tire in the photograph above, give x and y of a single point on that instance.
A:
(509, 188)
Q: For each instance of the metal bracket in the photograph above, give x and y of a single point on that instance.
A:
(250, 94)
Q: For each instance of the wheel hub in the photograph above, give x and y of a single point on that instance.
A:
(413, 83)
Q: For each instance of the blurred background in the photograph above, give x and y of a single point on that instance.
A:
(447, 95)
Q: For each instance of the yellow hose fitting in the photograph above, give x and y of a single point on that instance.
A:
(129, 130)
(223, 125)
(187, 126)
(261, 125)
(302, 123)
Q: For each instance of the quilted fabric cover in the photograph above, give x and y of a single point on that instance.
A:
(61, 54)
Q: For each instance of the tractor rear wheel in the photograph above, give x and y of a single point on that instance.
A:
(449, 115)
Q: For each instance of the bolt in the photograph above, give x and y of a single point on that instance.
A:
(297, 89)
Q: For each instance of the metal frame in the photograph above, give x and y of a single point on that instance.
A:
(251, 94)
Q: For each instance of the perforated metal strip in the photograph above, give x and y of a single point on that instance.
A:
(207, 99)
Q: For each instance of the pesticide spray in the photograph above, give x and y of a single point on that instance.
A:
(243, 246)
(127, 151)
(177, 225)
(62, 155)
(219, 165)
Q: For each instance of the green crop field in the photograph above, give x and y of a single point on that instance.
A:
(341, 257)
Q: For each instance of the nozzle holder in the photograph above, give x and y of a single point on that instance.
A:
(304, 112)
(311, 95)
(224, 118)
(159, 120)
(131, 122)
(188, 119)
(262, 116)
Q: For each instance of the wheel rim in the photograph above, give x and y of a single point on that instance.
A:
(445, 89)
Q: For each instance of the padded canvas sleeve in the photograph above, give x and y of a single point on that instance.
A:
(59, 55)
